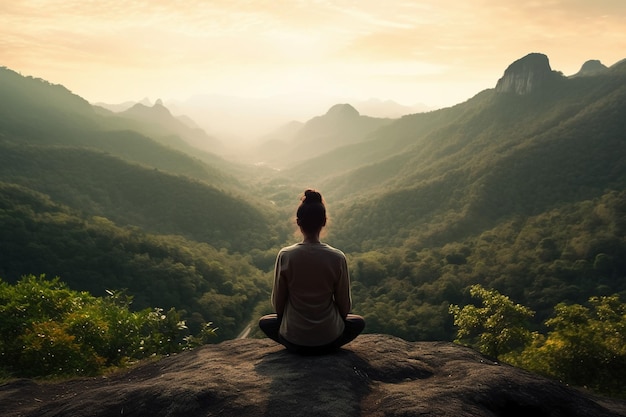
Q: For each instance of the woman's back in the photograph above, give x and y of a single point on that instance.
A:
(312, 290)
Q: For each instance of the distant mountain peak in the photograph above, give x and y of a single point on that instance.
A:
(591, 67)
(342, 111)
(526, 75)
(146, 111)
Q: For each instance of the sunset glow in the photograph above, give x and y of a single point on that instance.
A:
(434, 52)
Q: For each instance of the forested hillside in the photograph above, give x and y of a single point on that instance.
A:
(519, 192)
(523, 193)
(34, 111)
(99, 184)
(521, 189)
(93, 254)
(105, 207)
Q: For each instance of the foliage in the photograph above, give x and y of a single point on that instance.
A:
(48, 329)
(525, 195)
(586, 346)
(566, 254)
(497, 327)
(35, 112)
(452, 173)
(93, 254)
(101, 185)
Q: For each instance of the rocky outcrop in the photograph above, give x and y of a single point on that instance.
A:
(527, 75)
(375, 375)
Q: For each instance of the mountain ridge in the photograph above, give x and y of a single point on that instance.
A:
(38, 112)
(469, 125)
(48, 126)
(341, 125)
(163, 123)
(243, 120)
(524, 193)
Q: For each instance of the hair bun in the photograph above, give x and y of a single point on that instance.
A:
(312, 197)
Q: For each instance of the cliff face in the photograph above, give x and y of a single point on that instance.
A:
(526, 75)
(375, 375)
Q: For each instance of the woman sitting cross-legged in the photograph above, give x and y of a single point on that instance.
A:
(311, 293)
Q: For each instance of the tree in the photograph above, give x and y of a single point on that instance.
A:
(498, 327)
(586, 346)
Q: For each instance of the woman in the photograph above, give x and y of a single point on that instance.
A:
(311, 293)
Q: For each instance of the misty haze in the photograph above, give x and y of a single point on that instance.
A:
(517, 193)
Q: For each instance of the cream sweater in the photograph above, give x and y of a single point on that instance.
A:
(312, 293)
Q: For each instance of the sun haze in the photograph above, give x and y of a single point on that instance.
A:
(438, 52)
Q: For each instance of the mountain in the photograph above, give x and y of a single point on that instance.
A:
(39, 113)
(158, 122)
(90, 159)
(102, 185)
(180, 133)
(375, 375)
(119, 107)
(591, 67)
(561, 139)
(104, 203)
(340, 126)
(177, 132)
(526, 75)
(521, 188)
(434, 202)
(238, 121)
(387, 109)
(37, 110)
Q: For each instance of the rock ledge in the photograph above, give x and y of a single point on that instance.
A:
(375, 375)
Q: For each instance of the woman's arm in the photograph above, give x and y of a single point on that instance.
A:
(343, 297)
(279, 291)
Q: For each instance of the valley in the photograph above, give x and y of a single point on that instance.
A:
(521, 188)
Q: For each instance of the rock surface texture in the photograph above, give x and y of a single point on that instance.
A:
(376, 375)
(526, 75)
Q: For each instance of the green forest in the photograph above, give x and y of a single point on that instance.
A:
(502, 197)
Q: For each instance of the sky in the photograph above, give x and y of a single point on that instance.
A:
(436, 52)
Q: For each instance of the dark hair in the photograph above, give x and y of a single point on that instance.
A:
(311, 214)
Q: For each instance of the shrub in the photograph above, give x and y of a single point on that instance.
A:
(48, 329)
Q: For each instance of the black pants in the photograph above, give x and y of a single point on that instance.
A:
(354, 325)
